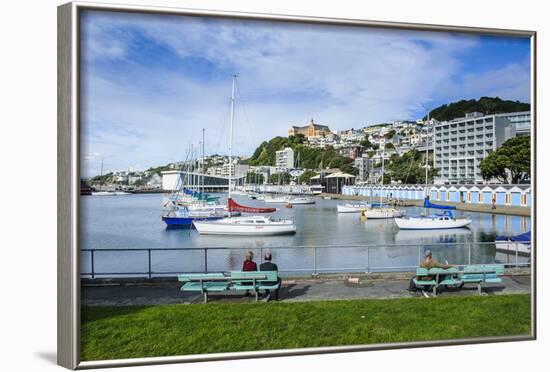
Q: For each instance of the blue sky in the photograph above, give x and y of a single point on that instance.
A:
(150, 83)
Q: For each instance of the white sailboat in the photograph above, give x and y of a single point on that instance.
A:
(277, 199)
(435, 222)
(383, 212)
(352, 207)
(301, 200)
(444, 220)
(380, 211)
(257, 225)
(520, 244)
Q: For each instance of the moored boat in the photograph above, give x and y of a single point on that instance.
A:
(182, 217)
(511, 244)
(434, 222)
(254, 225)
(382, 212)
(355, 207)
(301, 200)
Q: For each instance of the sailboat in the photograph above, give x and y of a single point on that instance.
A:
(511, 244)
(439, 221)
(379, 211)
(444, 220)
(256, 225)
(185, 205)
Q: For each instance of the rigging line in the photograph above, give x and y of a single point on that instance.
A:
(247, 120)
(409, 170)
(221, 129)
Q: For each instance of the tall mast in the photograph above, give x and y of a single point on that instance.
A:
(202, 166)
(231, 135)
(427, 140)
(382, 181)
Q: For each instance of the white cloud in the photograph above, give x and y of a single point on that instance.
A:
(342, 77)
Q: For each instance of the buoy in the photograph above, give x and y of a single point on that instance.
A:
(288, 205)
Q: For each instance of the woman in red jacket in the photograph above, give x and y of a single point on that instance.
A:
(249, 265)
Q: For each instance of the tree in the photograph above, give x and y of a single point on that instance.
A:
(409, 168)
(254, 178)
(486, 105)
(306, 176)
(279, 178)
(510, 163)
(366, 143)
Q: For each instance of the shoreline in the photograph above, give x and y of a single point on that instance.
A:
(482, 208)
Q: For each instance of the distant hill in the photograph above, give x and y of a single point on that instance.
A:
(486, 105)
(310, 158)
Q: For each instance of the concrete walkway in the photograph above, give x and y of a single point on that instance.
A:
(299, 290)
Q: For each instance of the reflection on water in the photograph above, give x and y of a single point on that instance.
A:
(133, 221)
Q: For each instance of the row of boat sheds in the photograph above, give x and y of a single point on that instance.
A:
(509, 195)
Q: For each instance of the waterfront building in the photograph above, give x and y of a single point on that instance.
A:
(521, 121)
(311, 130)
(461, 144)
(501, 195)
(176, 178)
(284, 159)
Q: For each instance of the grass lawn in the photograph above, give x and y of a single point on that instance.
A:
(113, 332)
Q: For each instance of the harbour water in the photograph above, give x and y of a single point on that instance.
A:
(325, 240)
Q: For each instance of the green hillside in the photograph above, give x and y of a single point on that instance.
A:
(310, 158)
(486, 105)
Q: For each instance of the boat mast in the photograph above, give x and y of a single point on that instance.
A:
(427, 140)
(202, 166)
(231, 135)
(382, 179)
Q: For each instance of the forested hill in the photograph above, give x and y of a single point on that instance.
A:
(310, 158)
(486, 105)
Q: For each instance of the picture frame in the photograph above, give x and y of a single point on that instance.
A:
(69, 175)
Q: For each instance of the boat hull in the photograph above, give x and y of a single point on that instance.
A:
(380, 213)
(351, 208)
(208, 228)
(511, 247)
(301, 202)
(431, 224)
(187, 221)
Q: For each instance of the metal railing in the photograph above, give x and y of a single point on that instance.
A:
(311, 260)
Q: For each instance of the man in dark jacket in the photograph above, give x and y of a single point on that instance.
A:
(270, 266)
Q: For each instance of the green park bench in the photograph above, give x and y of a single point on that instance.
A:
(479, 274)
(454, 278)
(255, 281)
(204, 283)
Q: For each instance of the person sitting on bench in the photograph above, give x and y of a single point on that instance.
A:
(249, 265)
(429, 263)
(270, 266)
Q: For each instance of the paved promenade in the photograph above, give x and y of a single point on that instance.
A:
(295, 290)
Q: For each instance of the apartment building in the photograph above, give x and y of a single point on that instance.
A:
(461, 144)
(284, 159)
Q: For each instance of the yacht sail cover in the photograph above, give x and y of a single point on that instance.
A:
(233, 206)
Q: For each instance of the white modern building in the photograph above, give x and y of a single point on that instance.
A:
(284, 159)
(364, 166)
(461, 144)
(521, 121)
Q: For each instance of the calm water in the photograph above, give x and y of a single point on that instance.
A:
(343, 242)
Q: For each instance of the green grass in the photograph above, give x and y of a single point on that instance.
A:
(113, 332)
